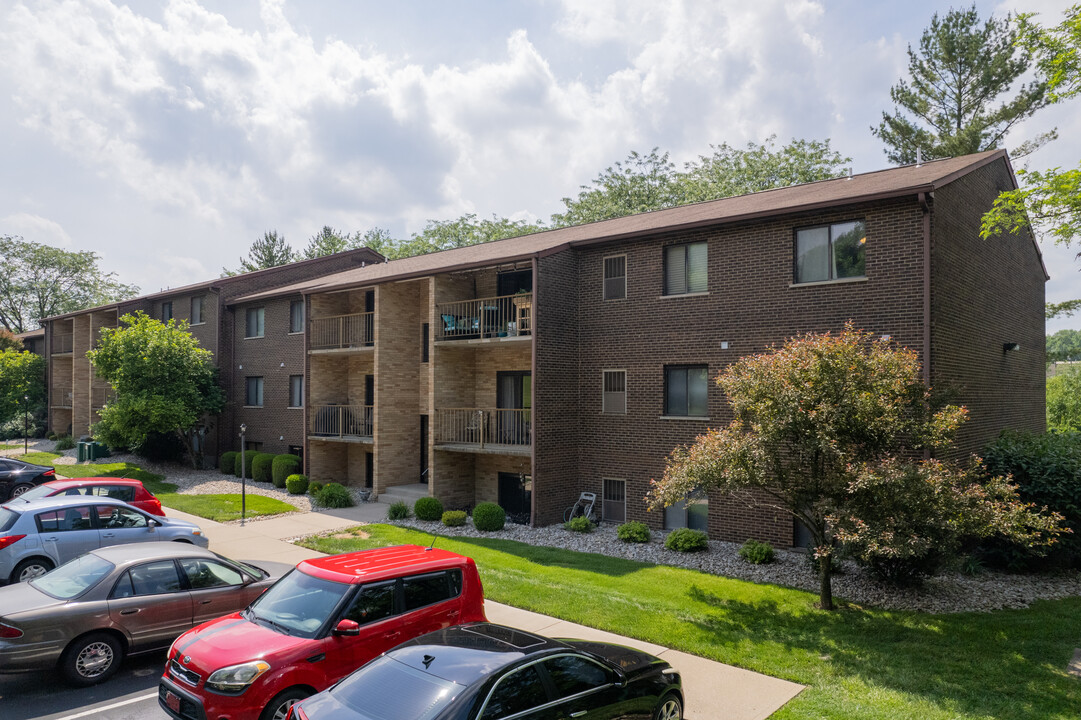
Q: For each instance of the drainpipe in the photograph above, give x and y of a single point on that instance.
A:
(926, 207)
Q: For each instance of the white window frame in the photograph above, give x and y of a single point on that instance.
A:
(605, 277)
(610, 404)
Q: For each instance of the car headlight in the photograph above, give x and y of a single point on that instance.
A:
(236, 678)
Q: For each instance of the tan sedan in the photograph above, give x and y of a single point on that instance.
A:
(89, 613)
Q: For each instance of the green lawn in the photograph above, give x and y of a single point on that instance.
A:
(213, 507)
(10, 447)
(856, 662)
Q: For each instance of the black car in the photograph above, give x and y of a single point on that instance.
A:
(16, 477)
(483, 671)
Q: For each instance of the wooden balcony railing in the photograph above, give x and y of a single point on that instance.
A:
(341, 420)
(484, 426)
(100, 396)
(61, 396)
(63, 342)
(343, 331)
(503, 316)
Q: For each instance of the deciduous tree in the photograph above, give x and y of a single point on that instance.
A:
(164, 383)
(328, 241)
(22, 374)
(1064, 345)
(1064, 401)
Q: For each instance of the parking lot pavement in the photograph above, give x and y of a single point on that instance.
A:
(712, 689)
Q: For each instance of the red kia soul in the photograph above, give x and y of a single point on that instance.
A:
(313, 627)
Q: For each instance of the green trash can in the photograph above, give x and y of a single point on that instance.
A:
(97, 450)
(81, 451)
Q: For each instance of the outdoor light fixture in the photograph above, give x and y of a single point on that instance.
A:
(239, 367)
(283, 365)
(1010, 347)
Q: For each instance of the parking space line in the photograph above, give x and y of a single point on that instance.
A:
(122, 703)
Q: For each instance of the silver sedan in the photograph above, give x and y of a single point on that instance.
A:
(87, 614)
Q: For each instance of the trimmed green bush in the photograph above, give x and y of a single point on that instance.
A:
(398, 511)
(296, 484)
(454, 518)
(50, 435)
(428, 508)
(756, 553)
(686, 540)
(260, 467)
(283, 466)
(334, 495)
(634, 532)
(64, 442)
(227, 462)
(579, 524)
(247, 457)
(314, 488)
(489, 517)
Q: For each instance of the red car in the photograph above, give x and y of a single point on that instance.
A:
(130, 491)
(313, 627)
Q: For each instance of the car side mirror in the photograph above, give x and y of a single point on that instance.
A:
(347, 627)
(153, 524)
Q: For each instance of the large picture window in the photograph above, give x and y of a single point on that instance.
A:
(685, 269)
(686, 390)
(830, 252)
(253, 326)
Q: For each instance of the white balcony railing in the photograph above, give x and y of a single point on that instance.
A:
(503, 316)
(484, 426)
(341, 420)
(343, 331)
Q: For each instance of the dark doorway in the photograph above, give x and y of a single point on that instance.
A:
(369, 402)
(516, 496)
(369, 469)
(508, 283)
(424, 449)
(369, 326)
(514, 398)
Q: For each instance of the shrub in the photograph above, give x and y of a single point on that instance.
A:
(398, 511)
(260, 467)
(428, 508)
(579, 524)
(296, 484)
(489, 517)
(686, 540)
(1045, 468)
(50, 435)
(64, 442)
(757, 553)
(454, 518)
(314, 488)
(227, 462)
(283, 466)
(633, 531)
(333, 495)
(248, 457)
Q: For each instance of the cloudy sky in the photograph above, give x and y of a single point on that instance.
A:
(168, 135)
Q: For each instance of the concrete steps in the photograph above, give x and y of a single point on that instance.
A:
(408, 494)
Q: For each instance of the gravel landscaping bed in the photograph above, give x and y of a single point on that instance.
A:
(948, 592)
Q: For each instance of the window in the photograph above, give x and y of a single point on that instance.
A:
(64, 520)
(424, 334)
(166, 312)
(253, 327)
(209, 574)
(421, 590)
(686, 391)
(117, 517)
(572, 675)
(374, 603)
(615, 277)
(830, 252)
(693, 513)
(254, 395)
(297, 450)
(685, 269)
(296, 391)
(614, 505)
(614, 395)
(516, 693)
(155, 578)
(197, 310)
(296, 316)
(252, 446)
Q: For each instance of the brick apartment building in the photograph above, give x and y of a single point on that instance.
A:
(527, 370)
(265, 344)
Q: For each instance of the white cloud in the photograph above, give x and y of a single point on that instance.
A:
(36, 228)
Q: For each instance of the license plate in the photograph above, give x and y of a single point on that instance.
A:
(173, 701)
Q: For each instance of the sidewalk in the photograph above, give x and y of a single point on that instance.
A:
(712, 689)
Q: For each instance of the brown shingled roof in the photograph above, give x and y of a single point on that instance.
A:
(893, 182)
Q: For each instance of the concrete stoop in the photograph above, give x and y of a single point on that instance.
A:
(408, 494)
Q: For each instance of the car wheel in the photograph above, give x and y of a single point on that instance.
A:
(669, 708)
(278, 708)
(20, 489)
(31, 568)
(91, 659)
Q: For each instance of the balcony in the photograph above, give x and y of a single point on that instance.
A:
(61, 396)
(343, 332)
(100, 396)
(502, 317)
(63, 343)
(350, 423)
(497, 431)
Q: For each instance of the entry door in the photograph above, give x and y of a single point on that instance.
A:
(514, 391)
(515, 493)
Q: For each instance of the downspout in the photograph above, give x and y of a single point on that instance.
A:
(533, 374)
(926, 207)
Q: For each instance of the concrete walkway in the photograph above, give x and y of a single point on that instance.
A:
(712, 689)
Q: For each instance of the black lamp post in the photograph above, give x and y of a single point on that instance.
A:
(26, 423)
(243, 475)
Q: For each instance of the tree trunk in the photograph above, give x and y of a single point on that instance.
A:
(825, 590)
(189, 447)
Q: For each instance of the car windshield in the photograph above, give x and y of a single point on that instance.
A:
(73, 578)
(36, 492)
(298, 604)
(386, 689)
